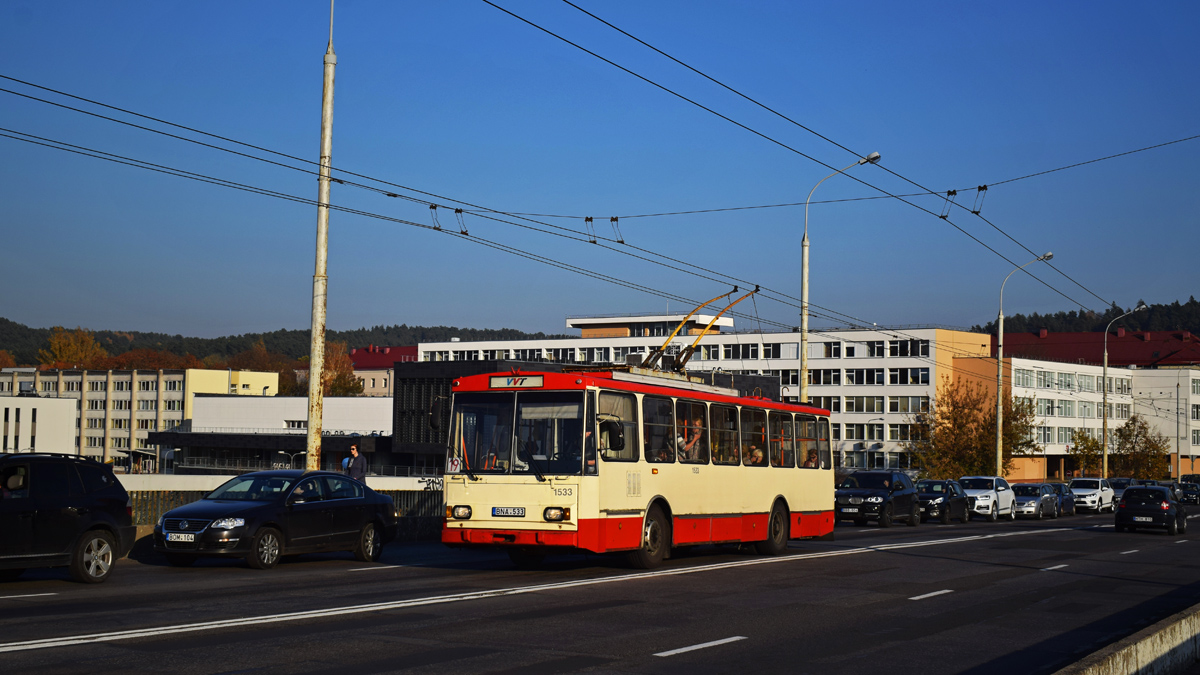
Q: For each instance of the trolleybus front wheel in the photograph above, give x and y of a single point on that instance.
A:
(656, 537)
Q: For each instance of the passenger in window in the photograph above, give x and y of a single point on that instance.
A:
(754, 456)
(691, 442)
(811, 462)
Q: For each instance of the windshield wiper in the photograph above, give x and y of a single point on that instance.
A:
(534, 468)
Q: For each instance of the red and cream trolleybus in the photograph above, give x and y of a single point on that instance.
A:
(630, 460)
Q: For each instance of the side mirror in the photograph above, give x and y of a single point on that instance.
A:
(435, 415)
(1001, 489)
(615, 433)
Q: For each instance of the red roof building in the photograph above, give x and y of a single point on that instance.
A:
(374, 365)
(1145, 349)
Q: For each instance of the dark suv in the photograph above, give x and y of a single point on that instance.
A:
(61, 510)
(878, 495)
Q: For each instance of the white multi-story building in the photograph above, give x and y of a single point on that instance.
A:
(872, 381)
(1169, 400)
(35, 424)
(115, 410)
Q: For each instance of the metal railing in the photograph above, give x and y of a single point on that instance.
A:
(187, 427)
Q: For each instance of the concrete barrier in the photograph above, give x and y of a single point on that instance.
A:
(160, 482)
(1168, 647)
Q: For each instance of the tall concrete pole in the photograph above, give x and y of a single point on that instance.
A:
(1000, 366)
(316, 358)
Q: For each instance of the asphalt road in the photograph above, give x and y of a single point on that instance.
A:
(1025, 597)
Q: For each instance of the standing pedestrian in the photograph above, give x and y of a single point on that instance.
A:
(356, 468)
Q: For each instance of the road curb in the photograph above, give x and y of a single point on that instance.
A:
(1168, 647)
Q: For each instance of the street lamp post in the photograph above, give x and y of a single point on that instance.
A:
(1000, 367)
(1104, 386)
(872, 158)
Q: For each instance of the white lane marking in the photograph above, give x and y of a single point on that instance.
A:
(705, 645)
(930, 595)
(1056, 567)
(1180, 541)
(377, 567)
(1128, 552)
(480, 595)
(31, 595)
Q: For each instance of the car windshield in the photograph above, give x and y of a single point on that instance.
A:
(253, 489)
(976, 483)
(873, 481)
(1085, 485)
(1143, 496)
(1027, 490)
(1189, 486)
(1145, 481)
(1119, 483)
(929, 486)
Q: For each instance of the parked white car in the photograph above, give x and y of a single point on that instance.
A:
(1093, 494)
(991, 497)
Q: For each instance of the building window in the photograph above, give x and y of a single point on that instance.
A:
(621, 353)
(49, 385)
(147, 385)
(1022, 377)
(899, 432)
(174, 406)
(1066, 380)
(710, 353)
(1122, 411)
(466, 355)
(96, 404)
(1064, 435)
(908, 347)
(736, 351)
(148, 405)
(596, 355)
(297, 424)
(562, 354)
(95, 441)
(1045, 435)
(96, 385)
(908, 404)
(1195, 387)
(1066, 408)
(495, 355)
(908, 375)
(95, 423)
(827, 376)
(830, 350)
(864, 404)
(856, 432)
(71, 385)
(146, 425)
(120, 423)
(173, 385)
(1086, 383)
(849, 351)
(789, 376)
(830, 403)
(1045, 407)
(437, 356)
(875, 349)
(122, 385)
(527, 354)
(1045, 380)
(773, 351)
(835, 431)
(119, 442)
(1124, 386)
(864, 376)
(122, 405)
(1086, 409)
(1195, 433)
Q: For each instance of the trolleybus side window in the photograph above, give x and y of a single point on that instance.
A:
(754, 437)
(725, 435)
(782, 451)
(691, 432)
(823, 443)
(618, 427)
(806, 442)
(549, 432)
(481, 440)
(658, 429)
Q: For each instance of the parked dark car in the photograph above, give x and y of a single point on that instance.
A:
(1036, 500)
(268, 514)
(1119, 485)
(882, 496)
(1066, 498)
(943, 500)
(62, 511)
(1150, 507)
(1189, 493)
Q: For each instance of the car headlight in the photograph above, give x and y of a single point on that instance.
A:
(161, 518)
(873, 500)
(936, 501)
(228, 523)
(983, 498)
(460, 512)
(556, 513)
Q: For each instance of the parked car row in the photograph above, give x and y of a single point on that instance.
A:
(65, 511)
(887, 496)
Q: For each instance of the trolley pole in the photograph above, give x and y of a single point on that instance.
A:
(316, 359)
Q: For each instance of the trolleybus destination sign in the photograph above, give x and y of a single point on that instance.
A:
(516, 382)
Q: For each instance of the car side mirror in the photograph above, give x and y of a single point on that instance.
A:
(1001, 489)
(435, 415)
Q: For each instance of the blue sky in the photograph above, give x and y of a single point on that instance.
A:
(461, 100)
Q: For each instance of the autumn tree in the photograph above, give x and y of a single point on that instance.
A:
(957, 435)
(71, 349)
(1140, 451)
(148, 359)
(1087, 450)
(338, 378)
(7, 360)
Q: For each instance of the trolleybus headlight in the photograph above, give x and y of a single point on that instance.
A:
(556, 513)
(461, 512)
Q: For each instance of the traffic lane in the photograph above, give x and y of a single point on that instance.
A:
(759, 597)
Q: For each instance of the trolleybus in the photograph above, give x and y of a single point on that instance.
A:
(630, 460)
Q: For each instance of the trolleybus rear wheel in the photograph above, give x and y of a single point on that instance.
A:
(656, 538)
(777, 532)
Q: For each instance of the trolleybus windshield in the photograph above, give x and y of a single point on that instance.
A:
(528, 432)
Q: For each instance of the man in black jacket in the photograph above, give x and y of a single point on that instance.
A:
(357, 467)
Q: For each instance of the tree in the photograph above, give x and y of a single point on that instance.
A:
(1087, 450)
(338, 378)
(957, 436)
(71, 349)
(1140, 451)
(7, 360)
(148, 359)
